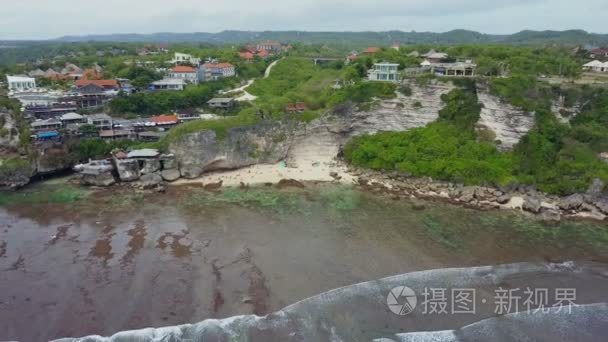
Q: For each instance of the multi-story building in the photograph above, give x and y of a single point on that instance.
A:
(186, 73)
(384, 72)
(101, 121)
(20, 83)
(270, 46)
(184, 58)
(215, 71)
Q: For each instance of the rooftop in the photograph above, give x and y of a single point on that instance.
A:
(71, 116)
(164, 119)
(218, 65)
(183, 69)
(170, 81)
(40, 123)
(100, 116)
(99, 83)
(143, 153)
(220, 100)
(19, 79)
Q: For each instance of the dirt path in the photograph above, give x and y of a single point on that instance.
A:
(246, 96)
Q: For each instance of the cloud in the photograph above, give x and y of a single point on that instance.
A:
(47, 19)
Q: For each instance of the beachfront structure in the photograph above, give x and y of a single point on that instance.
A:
(184, 58)
(457, 69)
(596, 66)
(20, 83)
(384, 72)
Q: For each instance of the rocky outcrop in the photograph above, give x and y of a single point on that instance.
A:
(150, 180)
(51, 157)
(9, 134)
(100, 179)
(508, 123)
(170, 175)
(128, 169)
(96, 173)
(150, 166)
(404, 112)
(532, 204)
(15, 172)
(267, 142)
(572, 202)
(562, 112)
(168, 162)
(145, 162)
(548, 208)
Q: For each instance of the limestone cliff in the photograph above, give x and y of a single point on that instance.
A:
(508, 123)
(266, 142)
(403, 112)
(51, 157)
(9, 134)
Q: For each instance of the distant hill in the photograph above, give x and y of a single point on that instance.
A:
(578, 37)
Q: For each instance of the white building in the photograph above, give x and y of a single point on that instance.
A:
(183, 72)
(20, 83)
(214, 71)
(169, 84)
(596, 66)
(384, 72)
(185, 58)
(37, 97)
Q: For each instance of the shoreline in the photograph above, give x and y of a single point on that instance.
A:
(526, 200)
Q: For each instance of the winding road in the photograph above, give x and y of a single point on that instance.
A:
(246, 96)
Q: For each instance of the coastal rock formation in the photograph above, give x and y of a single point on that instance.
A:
(199, 152)
(14, 173)
(404, 112)
(549, 208)
(97, 173)
(151, 180)
(51, 157)
(150, 166)
(170, 175)
(9, 135)
(127, 169)
(365, 312)
(508, 123)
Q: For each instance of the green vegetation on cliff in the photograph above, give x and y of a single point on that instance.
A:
(446, 149)
(555, 157)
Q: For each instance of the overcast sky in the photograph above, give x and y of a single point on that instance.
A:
(37, 19)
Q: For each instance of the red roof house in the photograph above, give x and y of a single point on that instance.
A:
(183, 69)
(263, 53)
(105, 84)
(246, 55)
(371, 50)
(164, 120)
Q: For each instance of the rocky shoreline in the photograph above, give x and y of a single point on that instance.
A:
(590, 205)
